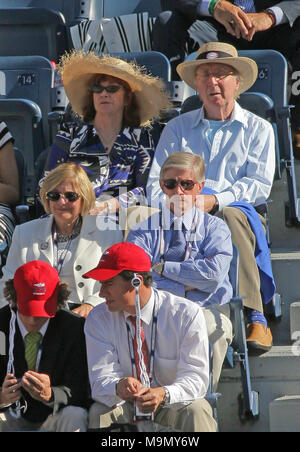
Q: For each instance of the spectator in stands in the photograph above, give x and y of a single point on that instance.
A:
(239, 153)
(190, 250)
(170, 377)
(67, 237)
(116, 101)
(246, 24)
(43, 375)
(9, 184)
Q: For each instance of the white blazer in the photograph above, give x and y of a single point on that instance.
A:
(33, 240)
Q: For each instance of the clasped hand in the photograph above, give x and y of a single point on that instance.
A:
(36, 384)
(147, 399)
(238, 23)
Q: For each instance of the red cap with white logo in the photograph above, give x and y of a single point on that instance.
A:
(36, 284)
(119, 257)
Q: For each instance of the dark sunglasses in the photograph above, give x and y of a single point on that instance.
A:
(109, 88)
(186, 185)
(70, 196)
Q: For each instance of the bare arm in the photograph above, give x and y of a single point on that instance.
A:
(9, 178)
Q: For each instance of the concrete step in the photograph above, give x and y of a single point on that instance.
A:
(285, 414)
(273, 375)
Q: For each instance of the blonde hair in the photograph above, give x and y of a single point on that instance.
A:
(80, 180)
(185, 161)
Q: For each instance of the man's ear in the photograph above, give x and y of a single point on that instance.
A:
(200, 186)
(161, 185)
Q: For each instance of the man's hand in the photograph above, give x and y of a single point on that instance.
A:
(205, 202)
(37, 385)
(236, 22)
(10, 392)
(128, 387)
(260, 22)
(83, 310)
(148, 399)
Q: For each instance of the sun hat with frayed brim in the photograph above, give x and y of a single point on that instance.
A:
(78, 68)
(221, 53)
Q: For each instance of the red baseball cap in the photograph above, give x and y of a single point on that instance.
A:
(36, 284)
(119, 257)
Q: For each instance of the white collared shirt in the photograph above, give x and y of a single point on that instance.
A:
(239, 164)
(181, 361)
(24, 331)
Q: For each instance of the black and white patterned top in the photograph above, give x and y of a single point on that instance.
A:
(5, 135)
(121, 173)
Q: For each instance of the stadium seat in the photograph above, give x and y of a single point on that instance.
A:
(23, 118)
(113, 8)
(238, 351)
(33, 31)
(158, 65)
(32, 78)
(72, 10)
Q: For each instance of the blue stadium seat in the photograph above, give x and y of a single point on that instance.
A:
(23, 118)
(32, 78)
(72, 10)
(33, 31)
(158, 65)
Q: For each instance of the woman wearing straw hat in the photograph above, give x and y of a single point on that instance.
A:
(116, 100)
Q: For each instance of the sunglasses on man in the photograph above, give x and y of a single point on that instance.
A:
(70, 196)
(185, 184)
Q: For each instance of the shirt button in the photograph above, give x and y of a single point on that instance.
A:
(81, 284)
(78, 267)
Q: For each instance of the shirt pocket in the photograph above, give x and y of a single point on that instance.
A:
(165, 370)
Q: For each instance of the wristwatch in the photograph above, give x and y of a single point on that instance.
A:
(158, 268)
(166, 400)
(215, 207)
(271, 15)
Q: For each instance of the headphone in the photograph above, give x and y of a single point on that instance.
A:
(136, 281)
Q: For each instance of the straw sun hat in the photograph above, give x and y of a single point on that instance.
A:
(219, 52)
(78, 68)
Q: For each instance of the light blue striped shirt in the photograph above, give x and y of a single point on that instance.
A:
(207, 265)
(239, 164)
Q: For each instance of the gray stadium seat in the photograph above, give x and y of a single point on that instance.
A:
(72, 10)
(23, 118)
(32, 77)
(111, 8)
(33, 31)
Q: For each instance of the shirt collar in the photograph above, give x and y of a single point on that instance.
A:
(146, 311)
(24, 331)
(168, 217)
(237, 115)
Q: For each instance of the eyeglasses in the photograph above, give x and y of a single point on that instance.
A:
(204, 75)
(186, 185)
(70, 196)
(109, 88)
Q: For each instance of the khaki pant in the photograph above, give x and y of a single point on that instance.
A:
(245, 241)
(195, 417)
(68, 419)
(219, 329)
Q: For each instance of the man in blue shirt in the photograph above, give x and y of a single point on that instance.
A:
(190, 250)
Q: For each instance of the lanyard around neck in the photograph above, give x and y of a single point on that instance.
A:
(153, 339)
